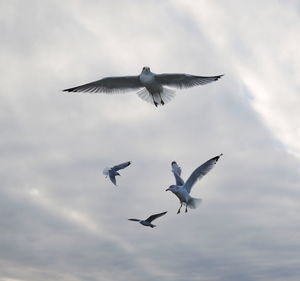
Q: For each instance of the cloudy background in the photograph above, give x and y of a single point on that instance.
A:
(62, 220)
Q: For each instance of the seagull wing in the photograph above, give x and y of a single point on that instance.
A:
(134, 220)
(112, 177)
(153, 217)
(181, 81)
(121, 166)
(109, 85)
(176, 170)
(200, 172)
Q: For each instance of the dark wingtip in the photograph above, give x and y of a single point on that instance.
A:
(217, 157)
(70, 90)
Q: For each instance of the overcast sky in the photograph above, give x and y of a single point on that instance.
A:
(62, 220)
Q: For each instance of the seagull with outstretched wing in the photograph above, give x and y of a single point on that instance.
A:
(182, 189)
(153, 88)
(148, 221)
(113, 171)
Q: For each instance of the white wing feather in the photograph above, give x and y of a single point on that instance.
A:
(200, 172)
(176, 170)
(181, 80)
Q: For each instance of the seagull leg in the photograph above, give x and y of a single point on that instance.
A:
(186, 208)
(161, 100)
(155, 103)
(179, 208)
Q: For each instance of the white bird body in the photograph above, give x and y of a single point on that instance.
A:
(182, 189)
(181, 193)
(153, 88)
(147, 79)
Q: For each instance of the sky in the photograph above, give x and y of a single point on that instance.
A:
(62, 220)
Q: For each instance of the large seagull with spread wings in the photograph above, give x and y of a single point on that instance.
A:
(153, 88)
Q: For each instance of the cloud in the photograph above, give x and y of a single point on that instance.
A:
(262, 50)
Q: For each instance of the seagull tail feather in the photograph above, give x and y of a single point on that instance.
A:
(160, 98)
(167, 94)
(106, 171)
(145, 95)
(193, 203)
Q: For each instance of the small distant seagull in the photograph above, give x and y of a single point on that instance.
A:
(148, 221)
(182, 189)
(113, 171)
(152, 87)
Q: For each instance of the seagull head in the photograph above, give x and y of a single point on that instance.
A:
(146, 69)
(172, 188)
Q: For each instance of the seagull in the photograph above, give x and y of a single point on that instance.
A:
(148, 221)
(153, 88)
(182, 189)
(113, 171)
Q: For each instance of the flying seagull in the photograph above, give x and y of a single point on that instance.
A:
(182, 189)
(148, 221)
(113, 171)
(153, 88)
